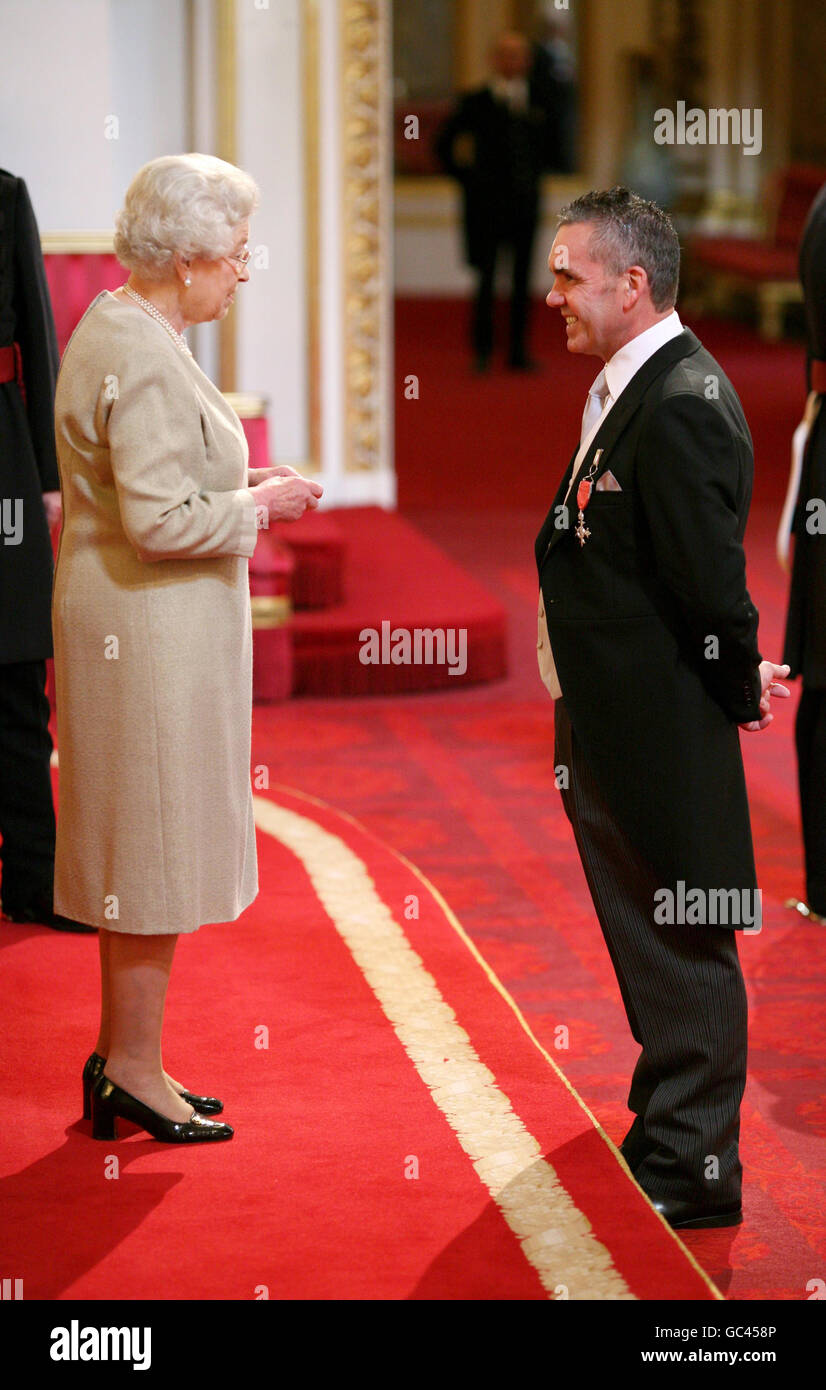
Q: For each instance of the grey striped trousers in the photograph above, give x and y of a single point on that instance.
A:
(685, 1000)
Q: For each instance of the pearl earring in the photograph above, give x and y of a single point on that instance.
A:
(187, 281)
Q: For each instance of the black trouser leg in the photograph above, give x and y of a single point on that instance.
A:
(635, 1145)
(482, 323)
(687, 1007)
(520, 298)
(810, 737)
(27, 820)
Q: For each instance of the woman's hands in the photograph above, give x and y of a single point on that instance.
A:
(281, 494)
(53, 507)
(260, 475)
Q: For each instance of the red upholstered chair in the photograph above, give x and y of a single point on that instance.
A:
(316, 544)
(271, 576)
(252, 412)
(768, 265)
(75, 277)
(319, 549)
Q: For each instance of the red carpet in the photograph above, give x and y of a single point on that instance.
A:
(332, 1019)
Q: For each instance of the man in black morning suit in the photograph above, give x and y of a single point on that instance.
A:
(503, 127)
(650, 648)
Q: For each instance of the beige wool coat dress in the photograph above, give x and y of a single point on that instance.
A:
(152, 634)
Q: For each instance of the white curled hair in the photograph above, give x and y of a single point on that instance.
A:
(184, 203)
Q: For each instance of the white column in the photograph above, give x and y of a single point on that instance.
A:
(720, 29)
(322, 237)
(203, 136)
(355, 240)
(331, 257)
(749, 169)
(272, 308)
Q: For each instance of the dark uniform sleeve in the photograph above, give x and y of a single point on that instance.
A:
(457, 123)
(813, 279)
(35, 332)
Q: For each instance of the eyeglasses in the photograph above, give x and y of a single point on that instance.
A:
(241, 260)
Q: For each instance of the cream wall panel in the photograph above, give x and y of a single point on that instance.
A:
(272, 308)
(66, 69)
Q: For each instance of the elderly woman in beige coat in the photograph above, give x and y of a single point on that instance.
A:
(152, 627)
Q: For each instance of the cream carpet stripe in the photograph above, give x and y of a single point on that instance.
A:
(554, 1234)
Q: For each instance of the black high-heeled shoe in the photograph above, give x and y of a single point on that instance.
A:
(93, 1068)
(110, 1103)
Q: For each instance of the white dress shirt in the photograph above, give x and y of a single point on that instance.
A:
(619, 370)
(513, 91)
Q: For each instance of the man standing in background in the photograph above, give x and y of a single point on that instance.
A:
(495, 143)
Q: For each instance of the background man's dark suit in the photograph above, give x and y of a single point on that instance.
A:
(500, 188)
(650, 728)
(28, 468)
(805, 649)
(554, 89)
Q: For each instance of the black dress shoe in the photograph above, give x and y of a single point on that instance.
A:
(207, 1105)
(110, 1103)
(635, 1147)
(44, 916)
(696, 1215)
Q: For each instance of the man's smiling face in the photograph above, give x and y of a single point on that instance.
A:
(589, 298)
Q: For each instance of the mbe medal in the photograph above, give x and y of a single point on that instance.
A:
(583, 497)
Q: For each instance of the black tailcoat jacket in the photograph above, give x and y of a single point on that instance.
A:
(28, 459)
(500, 185)
(805, 648)
(652, 628)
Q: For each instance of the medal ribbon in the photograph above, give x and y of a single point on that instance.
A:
(586, 487)
(583, 497)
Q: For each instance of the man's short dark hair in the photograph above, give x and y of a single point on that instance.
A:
(629, 230)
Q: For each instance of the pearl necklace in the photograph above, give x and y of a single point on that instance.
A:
(156, 314)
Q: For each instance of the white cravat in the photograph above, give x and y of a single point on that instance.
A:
(623, 366)
(513, 91)
(598, 404)
(594, 407)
